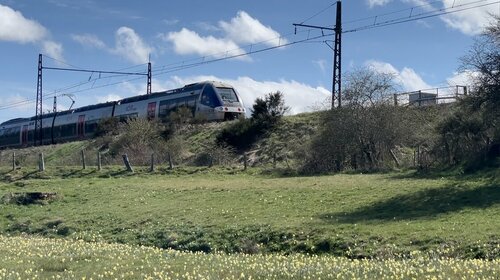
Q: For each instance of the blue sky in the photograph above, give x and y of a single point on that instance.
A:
(114, 35)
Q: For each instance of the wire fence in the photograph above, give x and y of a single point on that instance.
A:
(87, 158)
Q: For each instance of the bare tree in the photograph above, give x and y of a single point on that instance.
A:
(361, 134)
(368, 87)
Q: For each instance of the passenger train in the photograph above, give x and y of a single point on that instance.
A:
(207, 100)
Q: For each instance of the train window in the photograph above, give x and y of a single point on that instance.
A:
(57, 132)
(209, 97)
(68, 130)
(125, 118)
(11, 136)
(47, 133)
(90, 126)
(227, 94)
(165, 108)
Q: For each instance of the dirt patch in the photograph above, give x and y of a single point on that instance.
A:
(27, 198)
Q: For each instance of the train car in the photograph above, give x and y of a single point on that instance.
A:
(212, 101)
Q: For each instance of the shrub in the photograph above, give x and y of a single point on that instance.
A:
(266, 115)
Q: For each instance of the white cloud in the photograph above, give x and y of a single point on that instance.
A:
(53, 50)
(472, 21)
(206, 26)
(407, 78)
(373, 3)
(15, 27)
(462, 78)
(190, 42)
(21, 103)
(321, 63)
(108, 98)
(170, 21)
(128, 44)
(89, 40)
(131, 46)
(244, 29)
(299, 96)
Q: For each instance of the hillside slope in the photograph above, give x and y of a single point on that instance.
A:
(195, 142)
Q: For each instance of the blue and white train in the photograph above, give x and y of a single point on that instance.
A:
(207, 100)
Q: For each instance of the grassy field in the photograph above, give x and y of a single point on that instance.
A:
(228, 210)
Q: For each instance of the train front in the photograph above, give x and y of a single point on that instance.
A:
(231, 104)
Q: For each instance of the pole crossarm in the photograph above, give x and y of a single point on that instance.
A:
(337, 50)
(315, 26)
(95, 71)
(38, 130)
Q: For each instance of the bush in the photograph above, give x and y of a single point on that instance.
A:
(107, 126)
(139, 138)
(241, 134)
(266, 115)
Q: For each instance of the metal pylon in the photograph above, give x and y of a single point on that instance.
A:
(38, 135)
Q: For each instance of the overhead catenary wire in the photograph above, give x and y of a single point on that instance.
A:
(319, 13)
(207, 60)
(428, 4)
(159, 70)
(164, 70)
(430, 14)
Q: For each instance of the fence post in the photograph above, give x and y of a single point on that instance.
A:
(152, 166)
(83, 159)
(13, 161)
(41, 163)
(395, 100)
(127, 163)
(170, 163)
(211, 162)
(98, 160)
(245, 161)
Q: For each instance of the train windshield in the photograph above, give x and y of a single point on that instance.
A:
(227, 94)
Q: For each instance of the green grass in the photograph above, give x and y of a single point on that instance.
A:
(201, 209)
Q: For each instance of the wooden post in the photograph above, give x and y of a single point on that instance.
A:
(170, 163)
(152, 166)
(211, 162)
(41, 163)
(127, 163)
(84, 166)
(99, 161)
(395, 100)
(245, 161)
(13, 161)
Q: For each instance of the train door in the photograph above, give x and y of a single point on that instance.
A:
(81, 126)
(24, 135)
(151, 110)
